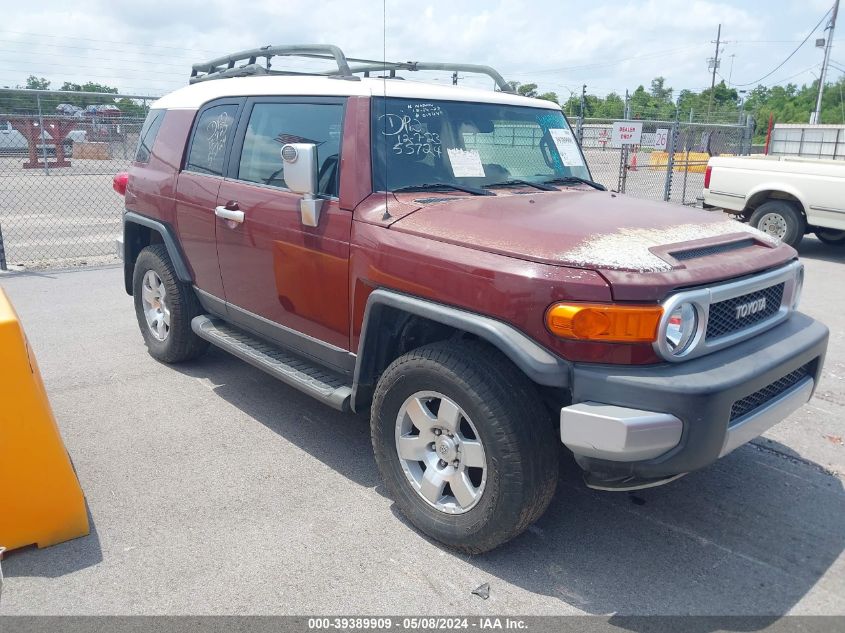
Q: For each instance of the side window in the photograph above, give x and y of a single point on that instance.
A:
(147, 136)
(215, 126)
(272, 125)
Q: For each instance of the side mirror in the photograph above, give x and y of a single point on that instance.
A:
(299, 166)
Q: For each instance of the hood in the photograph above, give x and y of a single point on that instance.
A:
(642, 247)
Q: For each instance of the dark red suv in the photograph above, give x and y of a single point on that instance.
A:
(438, 257)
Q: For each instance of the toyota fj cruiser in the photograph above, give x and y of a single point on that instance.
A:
(439, 258)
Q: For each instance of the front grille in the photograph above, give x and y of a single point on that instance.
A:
(723, 314)
(759, 398)
(716, 249)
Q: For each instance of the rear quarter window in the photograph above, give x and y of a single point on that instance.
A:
(148, 134)
(208, 145)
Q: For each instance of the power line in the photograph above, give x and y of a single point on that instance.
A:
(776, 68)
(780, 81)
(118, 70)
(24, 46)
(102, 41)
(806, 70)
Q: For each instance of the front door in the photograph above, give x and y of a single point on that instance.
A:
(282, 279)
(197, 188)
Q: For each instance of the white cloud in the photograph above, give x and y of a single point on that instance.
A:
(608, 44)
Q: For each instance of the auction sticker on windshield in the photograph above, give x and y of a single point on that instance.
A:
(566, 147)
(466, 163)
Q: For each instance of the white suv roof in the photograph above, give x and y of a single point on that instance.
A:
(195, 95)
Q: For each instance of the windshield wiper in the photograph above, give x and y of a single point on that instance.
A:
(569, 180)
(537, 185)
(433, 186)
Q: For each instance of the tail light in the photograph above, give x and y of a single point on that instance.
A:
(707, 173)
(119, 181)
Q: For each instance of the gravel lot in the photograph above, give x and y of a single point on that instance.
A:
(67, 218)
(214, 489)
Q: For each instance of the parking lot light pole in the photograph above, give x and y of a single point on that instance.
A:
(816, 115)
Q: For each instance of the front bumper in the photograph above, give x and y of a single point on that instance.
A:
(652, 423)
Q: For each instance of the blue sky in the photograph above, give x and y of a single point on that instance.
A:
(148, 46)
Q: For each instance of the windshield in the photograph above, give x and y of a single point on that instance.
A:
(421, 142)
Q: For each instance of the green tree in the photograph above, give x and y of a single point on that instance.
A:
(88, 86)
(527, 90)
(37, 83)
(659, 90)
(27, 103)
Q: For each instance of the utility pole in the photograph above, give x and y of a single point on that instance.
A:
(583, 99)
(816, 116)
(627, 113)
(715, 62)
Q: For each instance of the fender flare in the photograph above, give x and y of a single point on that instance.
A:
(168, 237)
(777, 187)
(538, 363)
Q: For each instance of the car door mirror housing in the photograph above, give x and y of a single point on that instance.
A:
(299, 163)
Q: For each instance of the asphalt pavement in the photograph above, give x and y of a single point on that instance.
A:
(214, 489)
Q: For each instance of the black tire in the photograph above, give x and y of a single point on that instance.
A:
(831, 237)
(796, 225)
(180, 343)
(521, 445)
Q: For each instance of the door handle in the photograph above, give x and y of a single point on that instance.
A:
(229, 214)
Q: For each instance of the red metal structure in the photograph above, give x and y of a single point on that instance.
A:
(57, 127)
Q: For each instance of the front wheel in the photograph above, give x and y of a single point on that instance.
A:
(831, 237)
(781, 219)
(464, 445)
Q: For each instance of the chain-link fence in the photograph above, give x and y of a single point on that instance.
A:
(58, 153)
(60, 150)
(668, 163)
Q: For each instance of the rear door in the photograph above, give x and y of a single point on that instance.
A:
(287, 281)
(196, 190)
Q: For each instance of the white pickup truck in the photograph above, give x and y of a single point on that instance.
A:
(785, 196)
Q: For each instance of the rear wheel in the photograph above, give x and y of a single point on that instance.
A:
(831, 237)
(164, 307)
(781, 219)
(463, 444)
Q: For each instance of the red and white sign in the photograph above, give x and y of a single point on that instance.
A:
(626, 133)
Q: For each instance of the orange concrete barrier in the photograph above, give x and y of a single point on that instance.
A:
(41, 501)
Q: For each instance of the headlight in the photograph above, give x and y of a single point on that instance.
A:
(681, 327)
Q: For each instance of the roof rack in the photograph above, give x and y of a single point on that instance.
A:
(226, 66)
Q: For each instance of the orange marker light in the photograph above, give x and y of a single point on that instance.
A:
(604, 322)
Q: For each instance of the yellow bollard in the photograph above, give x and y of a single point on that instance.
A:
(41, 501)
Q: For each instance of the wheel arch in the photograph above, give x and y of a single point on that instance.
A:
(766, 192)
(139, 232)
(395, 323)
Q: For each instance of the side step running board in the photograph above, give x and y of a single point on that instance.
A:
(318, 382)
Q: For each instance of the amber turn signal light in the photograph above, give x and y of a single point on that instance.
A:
(604, 322)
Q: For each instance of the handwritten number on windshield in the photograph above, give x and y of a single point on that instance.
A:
(418, 143)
